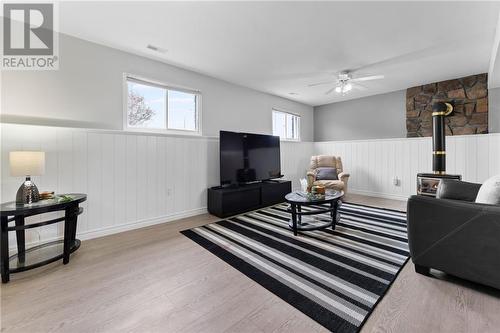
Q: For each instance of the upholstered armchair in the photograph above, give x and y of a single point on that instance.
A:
(328, 162)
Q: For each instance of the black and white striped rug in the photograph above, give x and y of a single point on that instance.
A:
(335, 277)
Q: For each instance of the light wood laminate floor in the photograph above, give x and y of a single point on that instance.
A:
(156, 280)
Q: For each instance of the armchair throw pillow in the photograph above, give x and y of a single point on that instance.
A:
(324, 173)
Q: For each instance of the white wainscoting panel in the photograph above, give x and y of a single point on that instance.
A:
(132, 179)
(135, 180)
(373, 164)
(295, 157)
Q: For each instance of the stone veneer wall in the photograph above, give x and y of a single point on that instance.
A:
(470, 114)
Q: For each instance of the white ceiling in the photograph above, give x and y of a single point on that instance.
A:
(281, 47)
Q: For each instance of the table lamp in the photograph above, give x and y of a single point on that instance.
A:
(27, 163)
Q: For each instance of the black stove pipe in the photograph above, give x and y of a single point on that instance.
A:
(439, 111)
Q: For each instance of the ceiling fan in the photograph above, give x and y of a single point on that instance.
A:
(345, 82)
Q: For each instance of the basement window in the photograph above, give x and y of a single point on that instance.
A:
(286, 125)
(155, 107)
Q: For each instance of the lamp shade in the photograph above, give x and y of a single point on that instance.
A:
(27, 163)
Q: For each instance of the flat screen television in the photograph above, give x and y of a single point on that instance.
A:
(247, 157)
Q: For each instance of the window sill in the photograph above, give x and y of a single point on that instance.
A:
(163, 132)
(290, 140)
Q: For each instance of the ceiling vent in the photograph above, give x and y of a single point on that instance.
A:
(156, 48)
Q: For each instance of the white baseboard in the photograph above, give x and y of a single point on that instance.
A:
(101, 232)
(379, 194)
(115, 229)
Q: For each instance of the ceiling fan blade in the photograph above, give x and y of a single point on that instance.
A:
(359, 86)
(368, 78)
(330, 91)
(321, 83)
(409, 57)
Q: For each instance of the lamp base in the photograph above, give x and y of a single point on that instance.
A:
(27, 193)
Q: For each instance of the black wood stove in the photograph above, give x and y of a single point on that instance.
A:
(427, 183)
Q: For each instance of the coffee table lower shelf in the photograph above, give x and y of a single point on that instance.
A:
(317, 225)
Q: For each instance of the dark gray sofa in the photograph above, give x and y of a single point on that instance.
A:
(454, 234)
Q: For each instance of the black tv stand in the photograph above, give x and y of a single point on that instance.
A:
(272, 181)
(233, 200)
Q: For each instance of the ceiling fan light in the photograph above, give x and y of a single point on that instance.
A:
(348, 87)
(338, 89)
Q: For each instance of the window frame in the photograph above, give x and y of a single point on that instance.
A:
(154, 83)
(298, 139)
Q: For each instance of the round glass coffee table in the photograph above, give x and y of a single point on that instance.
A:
(326, 204)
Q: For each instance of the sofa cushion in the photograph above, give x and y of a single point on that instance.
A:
(326, 174)
(489, 193)
(457, 190)
(334, 184)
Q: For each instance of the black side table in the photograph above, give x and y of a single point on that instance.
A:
(329, 204)
(43, 254)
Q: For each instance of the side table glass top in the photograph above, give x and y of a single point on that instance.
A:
(12, 208)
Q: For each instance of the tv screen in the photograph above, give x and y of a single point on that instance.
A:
(246, 157)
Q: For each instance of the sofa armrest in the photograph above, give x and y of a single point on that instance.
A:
(456, 237)
(344, 176)
(430, 219)
(457, 190)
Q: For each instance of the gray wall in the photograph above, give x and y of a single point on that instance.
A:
(87, 91)
(374, 117)
(378, 117)
(494, 110)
